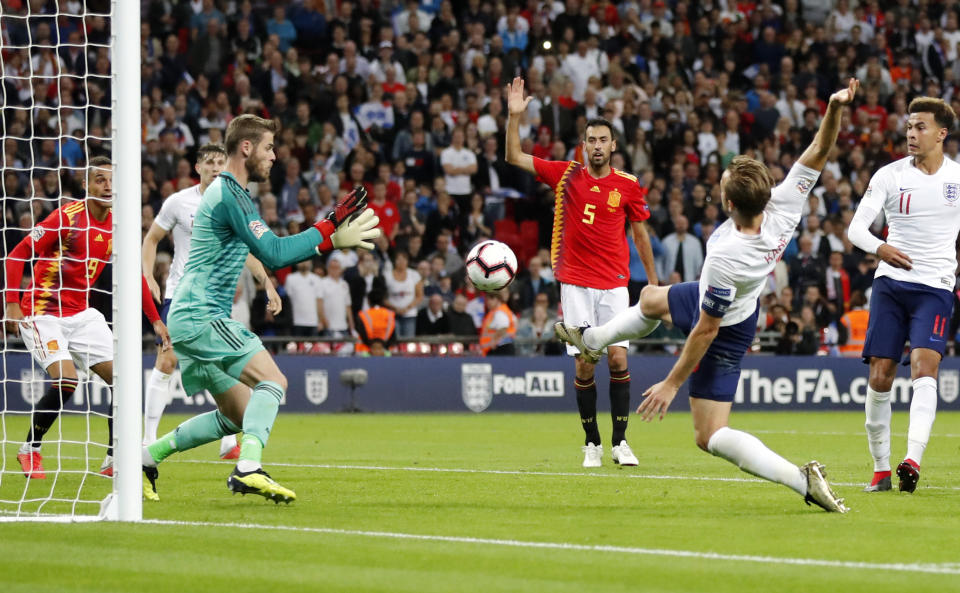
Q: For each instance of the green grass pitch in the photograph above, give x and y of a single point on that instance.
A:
(499, 502)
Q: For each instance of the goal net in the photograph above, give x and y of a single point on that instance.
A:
(59, 110)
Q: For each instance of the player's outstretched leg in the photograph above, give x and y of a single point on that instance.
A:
(248, 477)
(573, 335)
(636, 322)
(194, 432)
(752, 456)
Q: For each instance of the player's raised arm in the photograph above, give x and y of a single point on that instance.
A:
(815, 156)
(516, 105)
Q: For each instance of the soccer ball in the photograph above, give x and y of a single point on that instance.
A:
(491, 265)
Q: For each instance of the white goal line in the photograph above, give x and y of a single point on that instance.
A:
(946, 569)
(625, 474)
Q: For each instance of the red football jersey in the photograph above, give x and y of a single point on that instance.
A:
(71, 248)
(589, 246)
(388, 214)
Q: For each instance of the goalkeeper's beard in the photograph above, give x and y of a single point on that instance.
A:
(253, 169)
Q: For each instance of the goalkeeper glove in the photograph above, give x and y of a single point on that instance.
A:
(356, 232)
(351, 204)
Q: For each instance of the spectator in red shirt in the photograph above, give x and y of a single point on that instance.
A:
(872, 109)
(544, 144)
(394, 191)
(386, 210)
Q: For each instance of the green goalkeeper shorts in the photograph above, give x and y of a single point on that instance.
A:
(214, 358)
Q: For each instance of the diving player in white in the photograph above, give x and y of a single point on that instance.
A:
(913, 289)
(720, 311)
(176, 215)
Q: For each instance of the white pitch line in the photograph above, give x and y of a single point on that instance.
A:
(846, 434)
(948, 569)
(626, 474)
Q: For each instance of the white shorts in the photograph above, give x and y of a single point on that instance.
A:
(592, 306)
(85, 337)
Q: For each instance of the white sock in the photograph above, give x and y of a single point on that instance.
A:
(750, 454)
(157, 396)
(878, 428)
(626, 325)
(227, 443)
(247, 465)
(923, 409)
(146, 458)
(27, 448)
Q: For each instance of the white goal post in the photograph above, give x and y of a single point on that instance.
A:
(34, 72)
(127, 373)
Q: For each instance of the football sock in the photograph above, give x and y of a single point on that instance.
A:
(619, 404)
(110, 434)
(629, 324)
(750, 454)
(196, 431)
(923, 410)
(257, 422)
(48, 408)
(878, 428)
(227, 443)
(587, 404)
(157, 396)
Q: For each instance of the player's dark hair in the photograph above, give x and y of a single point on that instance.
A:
(97, 162)
(597, 121)
(942, 112)
(748, 185)
(209, 149)
(247, 127)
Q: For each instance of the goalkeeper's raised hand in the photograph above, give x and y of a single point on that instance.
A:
(350, 205)
(357, 232)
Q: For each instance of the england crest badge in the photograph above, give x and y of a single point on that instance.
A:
(316, 386)
(949, 385)
(476, 384)
(951, 191)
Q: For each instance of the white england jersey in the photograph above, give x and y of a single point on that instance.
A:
(177, 214)
(923, 219)
(738, 266)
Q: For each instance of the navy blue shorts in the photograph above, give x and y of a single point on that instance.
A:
(164, 310)
(901, 310)
(717, 375)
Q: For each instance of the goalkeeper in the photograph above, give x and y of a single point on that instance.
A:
(217, 353)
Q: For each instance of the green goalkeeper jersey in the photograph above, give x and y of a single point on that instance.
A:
(226, 228)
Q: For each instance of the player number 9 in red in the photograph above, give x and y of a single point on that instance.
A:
(92, 266)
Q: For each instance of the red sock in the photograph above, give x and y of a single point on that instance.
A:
(877, 476)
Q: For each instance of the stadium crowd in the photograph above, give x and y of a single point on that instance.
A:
(407, 98)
